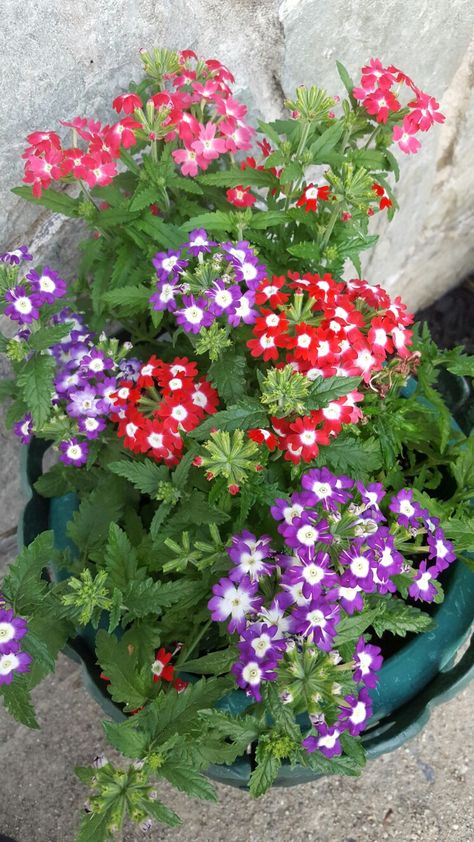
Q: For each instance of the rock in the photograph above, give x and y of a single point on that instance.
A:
(75, 67)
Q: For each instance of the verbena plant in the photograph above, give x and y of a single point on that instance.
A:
(268, 483)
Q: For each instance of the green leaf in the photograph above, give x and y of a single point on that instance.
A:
(371, 159)
(181, 472)
(282, 715)
(350, 628)
(188, 185)
(23, 585)
(145, 476)
(90, 524)
(17, 700)
(187, 780)
(345, 77)
(54, 483)
(248, 177)
(52, 199)
(115, 610)
(399, 618)
(45, 337)
(127, 684)
(269, 131)
(292, 171)
(323, 390)
(120, 557)
(461, 531)
(215, 663)
(177, 713)
(166, 235)
(159, 812)
(265, 773)
(126, 737)
(351, 455)
(214, 221)
(227, 375)
(149, 597)
(326, 142)
(94, 828)
(195, 510)
(354, 749)
(143, 197)
(463, 366)
(129, 301)
(38, 649)
(463, 468)
(35, 383)
(307, 250)
(159, 518)
(244, 415)
(268, 219)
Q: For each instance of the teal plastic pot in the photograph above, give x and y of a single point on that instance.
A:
(421, 675)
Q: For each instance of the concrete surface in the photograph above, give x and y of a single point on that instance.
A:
(423, 791)
(71, 56)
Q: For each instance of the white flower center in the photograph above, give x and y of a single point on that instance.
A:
(46, 284)
(155, 440)
(7, 632)
(316, 618)
(223, 298)
(261, 645)
(322, 489)
(313, 574)
(169, 263)
(249, 271)
(193, 315)
(360, 566)
(23, 305)
(406, 508)
(358, 714)
(307, 535)
(252, 673)
(8, 663)
(74, 451)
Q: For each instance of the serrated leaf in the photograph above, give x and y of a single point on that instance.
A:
(127, 684)
(244, 415)
(126, 737)
(248, 177)
(45, 337)
(90, 524)
(326, 142)
(181, 472)
(159, 518)
(17, 700)
(164, 233)
(213, 221)
(399, 618)
(348, 454)
(215, 663)
(23, 585)
(307, 251)
(160, 812)
(345, 77)
(461, 531)
(35, 383)
(94, 828)
(350, 628)
(143, 197)
(323, 390)
(52, 199)
(188, 185)
(265, 773)
(115, 611)
(54, 483)
(196, 510)
(145, 476)
(120, 557)
(354, 749)
(187, 780)
(149, 597)
(227, 375)
(130, 300)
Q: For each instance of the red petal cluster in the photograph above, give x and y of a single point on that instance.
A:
(167, 400)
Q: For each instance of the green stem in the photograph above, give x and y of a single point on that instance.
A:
(192, 646)
(331, 224)
(372, 135)
(301, 146)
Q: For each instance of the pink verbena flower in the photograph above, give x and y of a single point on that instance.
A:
(404, 135)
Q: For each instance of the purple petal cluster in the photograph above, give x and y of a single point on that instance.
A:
(12, 659)
(25, 299)
(342, 541)
(230, 295)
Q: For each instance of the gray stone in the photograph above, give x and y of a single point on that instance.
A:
(71, 60)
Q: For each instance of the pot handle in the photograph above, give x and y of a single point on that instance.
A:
(407, 721)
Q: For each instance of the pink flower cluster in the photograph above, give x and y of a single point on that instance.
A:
(379, 92)
(203, 115)
(48, 160)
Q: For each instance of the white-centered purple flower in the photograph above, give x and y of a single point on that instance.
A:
(262, 642)
(73, 452)
(317, 621)
(350, 598)
(83, 401)
(306, 531)
(322, 487)
(243, 310)
(250, 674)
(11, 663)
(23, 306)
(164, 297)
(199, 242)
(327, 740)
(389, 562)
(95, 363)
(440, 549)
(250, 556)
(47, 284)
(16, 256)
(234, 600)
(371, 494)
(24, 428)
(12, 629)
(405, 506)
(356, 711)
(222, 298)
(359, 562)
(313, 571)
(367, 660)
(194, 315)
(91, 427)
(422, 586)
(169, 264)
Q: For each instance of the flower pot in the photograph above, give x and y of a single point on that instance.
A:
(421, 675)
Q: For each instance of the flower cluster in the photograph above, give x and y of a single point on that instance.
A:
(327, 329)
(203, 281)
(25, 299)
(166, 400)
(342, 543)
(12, 659)
(379, 93)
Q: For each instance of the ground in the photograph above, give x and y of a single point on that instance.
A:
(423, 791)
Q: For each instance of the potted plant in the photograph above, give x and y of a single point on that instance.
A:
(257, 488)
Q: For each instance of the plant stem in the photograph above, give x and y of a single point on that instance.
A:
(331, 224)
(193, 645)
(371, 137)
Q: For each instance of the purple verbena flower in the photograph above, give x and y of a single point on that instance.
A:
(199, 242)
(327, 741)
(407, 509)
(422, 586)
(262, 642)
(48, 285)
(275, 614)
(322, 488)
(306, 531)
(95, 362)
(16, 256)
(23, 306)
(11, 663)
(83, 401)
(73, 452)
(356, 711)
(368, 660)
(222, 298)
(350, 598)
(91, 427)
(371, 494)
(250, 674)
(388, 560)
(235, 600)
(24, 428)
(169, 264)
(194, 314)
(164, 297)
(359, 563)
(243, 310)
(313, 571)
(12, 629)
(440, 549)
(317, 621)
(249, 556)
